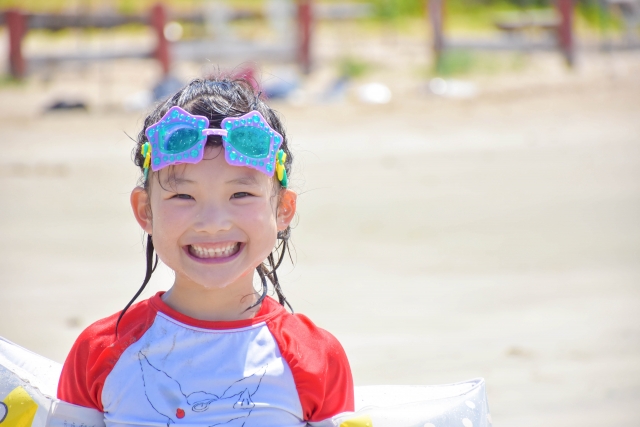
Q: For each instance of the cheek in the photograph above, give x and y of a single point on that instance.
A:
(260, 221)
(166, 221)
(264, 214)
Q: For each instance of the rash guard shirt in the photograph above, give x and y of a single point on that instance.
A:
(164, 368)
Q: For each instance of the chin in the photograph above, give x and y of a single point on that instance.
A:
(214, 282)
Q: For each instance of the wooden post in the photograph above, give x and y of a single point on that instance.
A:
(565, 31)
(17, 27)
(435, 9)
(161, 53)
(305, 24)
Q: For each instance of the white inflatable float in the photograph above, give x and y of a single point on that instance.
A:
(28, 384)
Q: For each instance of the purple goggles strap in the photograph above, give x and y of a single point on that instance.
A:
(220, 132)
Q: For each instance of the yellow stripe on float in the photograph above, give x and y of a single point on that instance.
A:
(362, 421)
(21, 409)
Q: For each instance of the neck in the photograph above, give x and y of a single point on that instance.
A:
(213, 304)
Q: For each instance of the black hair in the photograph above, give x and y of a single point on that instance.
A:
(216, 98)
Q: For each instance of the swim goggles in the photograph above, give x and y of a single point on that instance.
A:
(248, 140)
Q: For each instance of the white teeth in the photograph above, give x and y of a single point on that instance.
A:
(201, 252)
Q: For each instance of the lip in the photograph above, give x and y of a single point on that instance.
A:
(213, 260)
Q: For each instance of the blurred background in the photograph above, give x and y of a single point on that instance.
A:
(468, 170)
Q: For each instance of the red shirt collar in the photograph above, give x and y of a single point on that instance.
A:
(268, 309)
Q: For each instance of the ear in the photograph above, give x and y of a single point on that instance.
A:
(141, 209)
(286, 209)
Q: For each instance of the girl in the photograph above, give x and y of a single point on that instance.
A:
(211, 351)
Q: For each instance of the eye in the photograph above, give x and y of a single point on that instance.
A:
(240, 195)
(182, 196)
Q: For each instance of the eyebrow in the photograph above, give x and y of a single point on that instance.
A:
(177, 181)
(244, 180)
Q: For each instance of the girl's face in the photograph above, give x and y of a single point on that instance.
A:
(213, 223)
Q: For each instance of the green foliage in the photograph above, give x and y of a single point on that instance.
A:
(35, 5)
(499, 3)
(127, 6)
(353, 67)
(475, 15)
(7, 80)
(531, 3)
(455, 62)
(389, 10)
(595, 15)
(458, 62)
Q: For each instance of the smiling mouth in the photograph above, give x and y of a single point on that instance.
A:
(204, 252)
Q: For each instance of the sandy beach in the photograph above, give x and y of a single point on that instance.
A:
(439, 239)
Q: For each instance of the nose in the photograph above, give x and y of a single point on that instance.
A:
(212, 218)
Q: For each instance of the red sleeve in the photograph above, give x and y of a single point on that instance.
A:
(95, 353)
(319, 365)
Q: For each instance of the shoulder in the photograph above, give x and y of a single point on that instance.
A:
(97, 350)
(318, 363)
(299, 331)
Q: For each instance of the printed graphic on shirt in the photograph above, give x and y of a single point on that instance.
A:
(167, 397)
(181, 375)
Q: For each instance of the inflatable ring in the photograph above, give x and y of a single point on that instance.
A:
(28, 385)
